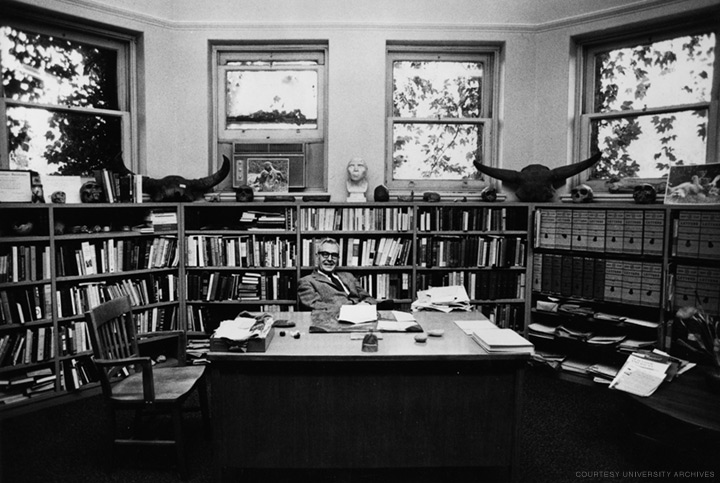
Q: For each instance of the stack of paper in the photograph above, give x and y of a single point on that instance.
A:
(502, 340)
(469, 326)
(358, 314)
(641, 374)
(443, 299)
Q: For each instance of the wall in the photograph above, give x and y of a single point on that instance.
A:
(537, 83)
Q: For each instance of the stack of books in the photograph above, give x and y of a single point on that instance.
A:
(502, 340)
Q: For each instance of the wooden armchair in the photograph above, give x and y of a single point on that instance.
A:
(133, 382)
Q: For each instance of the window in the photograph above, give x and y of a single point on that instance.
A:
(272, 99)
(65, 98)
(442, 105)
(649, 103)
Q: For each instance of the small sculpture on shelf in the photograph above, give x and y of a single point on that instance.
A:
(488, 194)
(644, 194)
(58, 197)
(357, 183)
(244, 194)
(91, 192)
(582, 193)
(381, 193)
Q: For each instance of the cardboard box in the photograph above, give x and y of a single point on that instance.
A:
(258, 344)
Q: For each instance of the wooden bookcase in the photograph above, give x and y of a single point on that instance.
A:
(205, 262)
(606, 271)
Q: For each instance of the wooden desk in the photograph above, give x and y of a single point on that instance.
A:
(687, 398)
(320, 402)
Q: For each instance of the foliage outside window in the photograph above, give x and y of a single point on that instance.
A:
(62, 100)
(650, 103)
(271, 93)
(441, 109)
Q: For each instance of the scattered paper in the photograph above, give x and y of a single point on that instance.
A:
(468, 326)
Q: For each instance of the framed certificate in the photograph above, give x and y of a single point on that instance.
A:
(15, 186)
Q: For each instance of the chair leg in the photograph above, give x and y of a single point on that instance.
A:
(113, 432)
(177, 416)
(205, 407)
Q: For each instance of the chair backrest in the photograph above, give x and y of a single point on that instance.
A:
(112, 334)
(112, 330)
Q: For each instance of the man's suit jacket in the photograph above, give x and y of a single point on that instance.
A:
(317, 292)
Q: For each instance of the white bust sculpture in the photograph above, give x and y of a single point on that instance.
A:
(357, 183)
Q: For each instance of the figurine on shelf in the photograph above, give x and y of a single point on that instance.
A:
(357, 183)
(38, 194)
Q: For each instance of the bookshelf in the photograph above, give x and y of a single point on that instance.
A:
(75, 257)
(207, 261)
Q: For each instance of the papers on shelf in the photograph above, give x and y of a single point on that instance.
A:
(502, 340)
(625, 320)
(468, 326)
(642, 374)
(605, 339)
(575, 365)
(358, 314)
(443, 299)
(541, 330)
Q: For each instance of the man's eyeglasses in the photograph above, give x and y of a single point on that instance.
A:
(334, 256)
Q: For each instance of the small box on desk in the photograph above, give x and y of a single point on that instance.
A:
(255, 344)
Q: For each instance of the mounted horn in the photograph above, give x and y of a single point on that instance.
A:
(536, 182)
(176, 188)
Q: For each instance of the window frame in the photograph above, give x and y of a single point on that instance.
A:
(490, 54)
(273, 52)
(588, 45)
(124, 43)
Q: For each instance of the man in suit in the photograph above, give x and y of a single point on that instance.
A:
(326, 289)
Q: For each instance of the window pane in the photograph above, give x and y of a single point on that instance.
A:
(646, 146)
(435, 151)
(271, 99)
(670, 72)
(43, 69)
(61, 142)
(439, 89)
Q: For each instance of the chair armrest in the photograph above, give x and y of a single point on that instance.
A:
(147, 372)
(171, 343)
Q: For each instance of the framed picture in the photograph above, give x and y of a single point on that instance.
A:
(15, 186)
(268, 174)
(696, 184)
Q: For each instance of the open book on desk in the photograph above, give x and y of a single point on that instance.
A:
(397, 321)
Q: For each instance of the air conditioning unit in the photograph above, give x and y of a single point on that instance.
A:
(274, 167)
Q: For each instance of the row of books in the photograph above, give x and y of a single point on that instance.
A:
(153, 288)
(464, 251)
(26, 385)
(459, 218)
(696, 234)
(618, 231)
(116, 255)
(240, 251)
(692, 284)
(267, 220)
(25, 304)
(509, 316)
(356, 219)
(620, 281)
(25, 263)
(216, 286)
(26, 347)
(387, 285)
(76, 373)
(479, 284)
(364, 252)
(119, 189)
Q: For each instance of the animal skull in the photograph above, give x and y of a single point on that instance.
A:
(644, 194)
(581, 194)
(537, 182)
(177, 188)
(91, 192)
